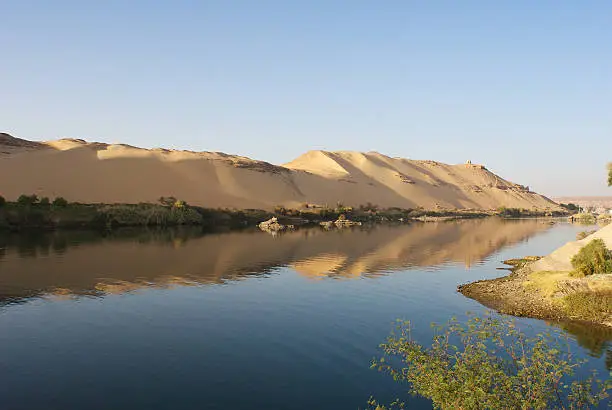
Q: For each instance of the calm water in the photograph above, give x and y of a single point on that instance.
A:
(179, 319)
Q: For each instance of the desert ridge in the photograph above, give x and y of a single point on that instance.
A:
(92, 172)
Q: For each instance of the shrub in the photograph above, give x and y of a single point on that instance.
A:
(27, 200)
(488, 363)
(60, 202)
(44, 201)
(594, 306)
(570, 207)
(584, 234)
(179, 204)
(592, 258)
(2, 201)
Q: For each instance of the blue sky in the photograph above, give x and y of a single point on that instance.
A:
(524, 87)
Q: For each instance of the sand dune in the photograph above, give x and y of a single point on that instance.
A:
(96, 172)
(561, 259)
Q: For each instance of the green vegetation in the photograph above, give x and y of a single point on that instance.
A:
(489, 363)
(27, 200)
(519, 263)
(60, 202)
(592, 306)
(584, 218)
(583, 234)
(610, 174)
(2, 201)
(31, 212)
(525, 213)
(592, 258)
(570, 207)
(147, 215)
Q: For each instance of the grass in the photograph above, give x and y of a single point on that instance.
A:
(520, 262)
(583, 234)
(546, 282)
(588, 298)
(590, 306)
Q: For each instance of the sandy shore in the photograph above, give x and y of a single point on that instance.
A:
(510, 296)
(543, 287)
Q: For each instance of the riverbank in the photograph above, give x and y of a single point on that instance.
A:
(544, 288)
(33, 213)
(44, 216)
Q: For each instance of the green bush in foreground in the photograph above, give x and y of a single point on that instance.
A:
(592, 258)
(488, 363)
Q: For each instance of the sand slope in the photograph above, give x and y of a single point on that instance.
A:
(95, 172)
(560, 259)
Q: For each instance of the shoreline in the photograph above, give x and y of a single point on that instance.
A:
(32, 216)
(523, 293)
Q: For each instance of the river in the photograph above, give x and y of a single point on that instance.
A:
(164, 319)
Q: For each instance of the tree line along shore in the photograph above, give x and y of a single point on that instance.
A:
(33, 212)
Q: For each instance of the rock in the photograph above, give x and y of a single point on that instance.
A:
(339, 223)
(272, 225)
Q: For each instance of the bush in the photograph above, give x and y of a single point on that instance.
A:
(592, 258)
(44, 201)
(570, 207)
(489, 364)
(148, 215)
(2, 201)
(584, 234)
(509, 212)
(594, 306)
(60, 202)
(27, 200)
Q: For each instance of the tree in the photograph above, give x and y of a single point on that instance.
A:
(610, 174)
(27, 200)
(2, 201)
(44, 201)
(489, 363)
(570, 207)
(60, 202)
(593, 258)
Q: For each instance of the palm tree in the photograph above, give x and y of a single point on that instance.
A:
(610, 174)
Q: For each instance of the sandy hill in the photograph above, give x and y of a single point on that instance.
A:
(96, 172)
(561, 259)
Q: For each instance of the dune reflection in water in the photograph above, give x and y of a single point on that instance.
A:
(65, 263)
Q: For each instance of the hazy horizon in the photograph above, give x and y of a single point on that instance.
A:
(523, 88)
